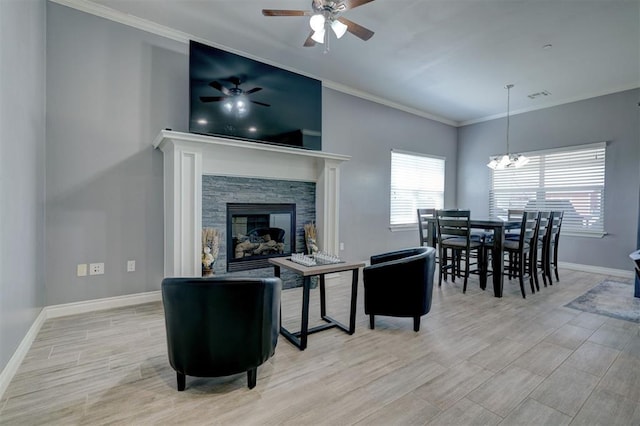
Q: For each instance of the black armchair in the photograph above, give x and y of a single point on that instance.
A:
(220, 326)
(400, 284)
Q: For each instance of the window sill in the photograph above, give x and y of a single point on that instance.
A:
(583, 234)
(404, 227)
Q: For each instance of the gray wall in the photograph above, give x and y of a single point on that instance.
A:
(612, 118)
(368, 131)
(22, 136)
(111, 90)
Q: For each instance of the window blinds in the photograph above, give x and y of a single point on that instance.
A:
(417, 181)
(569, 179)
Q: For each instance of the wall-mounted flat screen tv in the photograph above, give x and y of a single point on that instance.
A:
(240, 98)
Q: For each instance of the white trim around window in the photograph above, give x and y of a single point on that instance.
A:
(417, 181)
(571, 179)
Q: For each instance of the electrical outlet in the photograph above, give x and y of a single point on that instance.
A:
(341, 246)
(81, 270)
(96, 268)
(131, 265)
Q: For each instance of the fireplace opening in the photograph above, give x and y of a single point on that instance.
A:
(257, 232)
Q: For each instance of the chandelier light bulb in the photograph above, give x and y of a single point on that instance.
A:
(521, 161)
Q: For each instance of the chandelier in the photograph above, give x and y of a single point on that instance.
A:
(507, 160)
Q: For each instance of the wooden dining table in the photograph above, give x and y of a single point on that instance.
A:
(498, 226)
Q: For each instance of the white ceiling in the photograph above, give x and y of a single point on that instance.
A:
(448, 59)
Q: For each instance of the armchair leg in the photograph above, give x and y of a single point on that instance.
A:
(372, 322)
(416, 324)
(182, 380)
(252, 375)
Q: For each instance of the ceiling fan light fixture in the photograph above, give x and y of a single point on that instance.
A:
(236, 106)
(338, 28)
(318, 36)
(316, 22)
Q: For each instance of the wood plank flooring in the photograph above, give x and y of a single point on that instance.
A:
(475, 360)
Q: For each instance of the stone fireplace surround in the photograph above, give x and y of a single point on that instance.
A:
(187, 157)
(219, 191)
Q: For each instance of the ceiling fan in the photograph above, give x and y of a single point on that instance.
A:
(327, 14)
(235, 100)
(233, 92)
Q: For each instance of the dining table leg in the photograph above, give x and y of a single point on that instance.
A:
(498, 261)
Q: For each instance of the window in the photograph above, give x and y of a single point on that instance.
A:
(568, 179)
(417, 181)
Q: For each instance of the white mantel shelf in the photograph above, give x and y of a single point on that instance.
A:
(187, 157)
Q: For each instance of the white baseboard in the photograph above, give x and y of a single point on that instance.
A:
(597, 269)
(56, 311)
(18, 356)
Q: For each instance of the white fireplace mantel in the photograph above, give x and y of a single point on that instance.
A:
(187, 157)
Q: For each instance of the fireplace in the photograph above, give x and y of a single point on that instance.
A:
(257, 232)
(187, 157)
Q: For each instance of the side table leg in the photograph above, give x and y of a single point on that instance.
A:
(323, 298)
(354, 298)
(304, 328)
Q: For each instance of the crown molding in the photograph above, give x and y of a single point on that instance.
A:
(551, 104)
(125, 19)
(105, 12)
(373, 98)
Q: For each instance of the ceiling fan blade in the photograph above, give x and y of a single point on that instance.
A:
(279, 12)
(309, 42)
(212, 98)
(220, 87)
(352, 4)
(356, 29)
(254, 90)
(260, 103)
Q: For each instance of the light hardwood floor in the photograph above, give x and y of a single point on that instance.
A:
(475, 360)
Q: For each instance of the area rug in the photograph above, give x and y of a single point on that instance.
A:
(610, 298)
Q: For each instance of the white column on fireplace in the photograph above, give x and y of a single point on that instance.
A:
(189, 156)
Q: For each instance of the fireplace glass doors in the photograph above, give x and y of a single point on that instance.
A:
(256, 232)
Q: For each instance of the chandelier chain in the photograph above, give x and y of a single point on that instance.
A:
(508, 87)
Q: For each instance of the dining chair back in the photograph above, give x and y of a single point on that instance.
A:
(521, 252)
(423, 225)
(454, 236)
(554, 241)
(513, 214)
(543, 240)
